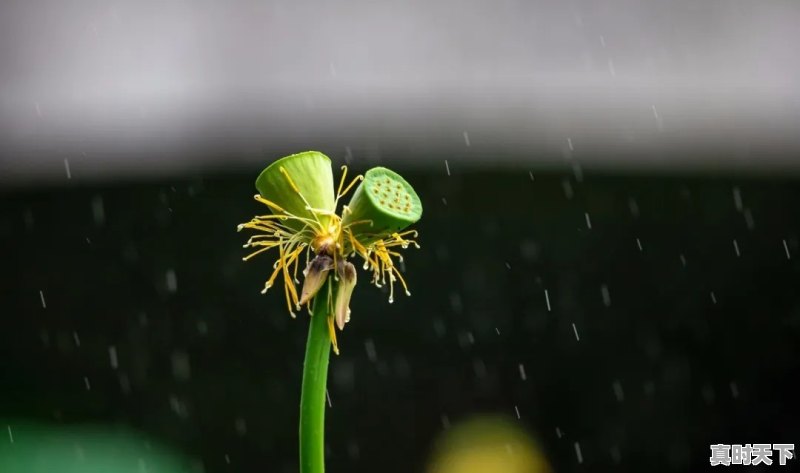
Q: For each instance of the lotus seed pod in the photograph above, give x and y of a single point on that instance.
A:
(386, 201)
(297, 182)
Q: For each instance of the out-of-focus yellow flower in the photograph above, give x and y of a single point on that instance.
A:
(487, 445)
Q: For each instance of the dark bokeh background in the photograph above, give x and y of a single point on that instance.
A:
(151, 319)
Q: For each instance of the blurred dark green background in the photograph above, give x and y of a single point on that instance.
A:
(674, 320)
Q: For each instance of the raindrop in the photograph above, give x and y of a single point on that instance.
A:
(241, 426)
(447, 167)
(633, 206)
(86, 383)
(683, 260)
(466, 138)
(497, 330)
(568, 192)
(181, 367)
(444, 201)
(734, 390)
(522, 372)
(41, 297)
(575, 329)
(748, 219)
(618, 392)
(112, 357)
(606, 295)
(172, 281)
(588, 220)
(786, 249)
(445, 421)
(516, 409)
(659, 121)
(547, 300)
(737, 199)
(559, 434)
(736, 248)
(530, 173)
(178, 407)
(569, 144)
(578, 452)
(369, 345)
(578, 171)
(713, 297)
(10, 435)
(639, 244)
(328, 397)
(66, 168)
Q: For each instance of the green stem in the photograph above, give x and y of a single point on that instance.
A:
(312, 398)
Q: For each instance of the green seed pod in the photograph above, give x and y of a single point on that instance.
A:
(386, 200)
(297, 182)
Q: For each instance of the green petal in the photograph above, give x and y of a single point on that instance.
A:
(385, 199)
(312, 174)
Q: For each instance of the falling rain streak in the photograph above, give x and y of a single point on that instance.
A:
(547, 300)
(737, 199)
(618, 393)
(41, 297)
(112, 357)
(568, 192)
